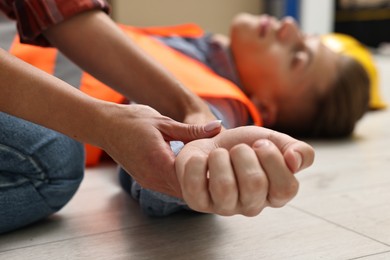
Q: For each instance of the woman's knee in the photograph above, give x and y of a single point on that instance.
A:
(40, 171)
(63, 164)
(50, 161)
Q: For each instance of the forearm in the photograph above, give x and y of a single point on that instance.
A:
(29, 93)
(94, 42)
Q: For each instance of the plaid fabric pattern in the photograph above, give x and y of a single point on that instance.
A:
(35, 16)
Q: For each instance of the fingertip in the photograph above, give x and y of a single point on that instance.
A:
(213, 126)
(305, 154)
(298, 160)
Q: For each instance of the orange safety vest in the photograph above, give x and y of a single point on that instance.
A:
(193, 74)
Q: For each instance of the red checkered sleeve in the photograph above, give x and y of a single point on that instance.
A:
(35, 16)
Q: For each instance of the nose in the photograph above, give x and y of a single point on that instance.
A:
(289, 32)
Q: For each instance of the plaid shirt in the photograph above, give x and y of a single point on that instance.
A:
(35, 16)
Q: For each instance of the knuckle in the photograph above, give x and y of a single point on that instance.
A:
(217, 152)
(267, 152)
(223, 187)
(195, 160)
(195, 195)
(256, 182)
(292, 189)
(238, 148)
(200, 206)
(253, 211)
(196, 201)
(283, 195)
(193, 131)
(189, 188)
(225, 212)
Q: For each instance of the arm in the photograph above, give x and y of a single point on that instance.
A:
(241, 170)
(94, 42)
(130, 134)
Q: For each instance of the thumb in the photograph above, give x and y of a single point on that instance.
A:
(297, 160)
(188, 132)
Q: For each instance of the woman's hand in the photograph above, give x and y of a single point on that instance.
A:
(137, 137)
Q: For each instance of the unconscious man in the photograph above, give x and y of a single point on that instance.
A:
(267, 73)
(303, 85)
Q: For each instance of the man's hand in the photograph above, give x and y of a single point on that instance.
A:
(241, 171)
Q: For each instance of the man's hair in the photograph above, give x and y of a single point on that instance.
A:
(346, 102)
(335, 114)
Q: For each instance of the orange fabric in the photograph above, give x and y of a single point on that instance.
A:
(42, 58)
(183, 30)
(97, 89)
(193, 74)
(206, 83)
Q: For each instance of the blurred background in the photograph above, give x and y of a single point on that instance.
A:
(366, 20)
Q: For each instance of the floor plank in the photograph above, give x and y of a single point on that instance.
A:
(277, 234)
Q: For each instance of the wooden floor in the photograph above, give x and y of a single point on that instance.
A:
(341, 212)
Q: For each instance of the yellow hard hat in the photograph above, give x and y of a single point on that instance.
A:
(347, 45)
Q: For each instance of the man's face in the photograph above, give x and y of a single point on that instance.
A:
(278, 64)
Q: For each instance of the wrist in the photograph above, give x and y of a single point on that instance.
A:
(196, 111)
(102, 119)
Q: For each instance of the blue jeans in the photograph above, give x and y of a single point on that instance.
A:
(152, 203)
(40, 171)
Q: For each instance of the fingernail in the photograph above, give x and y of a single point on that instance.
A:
(298, 157)
(261, 143)
(212, 125)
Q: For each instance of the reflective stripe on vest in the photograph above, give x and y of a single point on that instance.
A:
(193, 74)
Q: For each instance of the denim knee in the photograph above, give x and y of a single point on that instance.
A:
(49, 181)
(40, 171)
(64, 165)
(152, 203)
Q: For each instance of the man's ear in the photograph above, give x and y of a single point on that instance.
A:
(268, 110)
